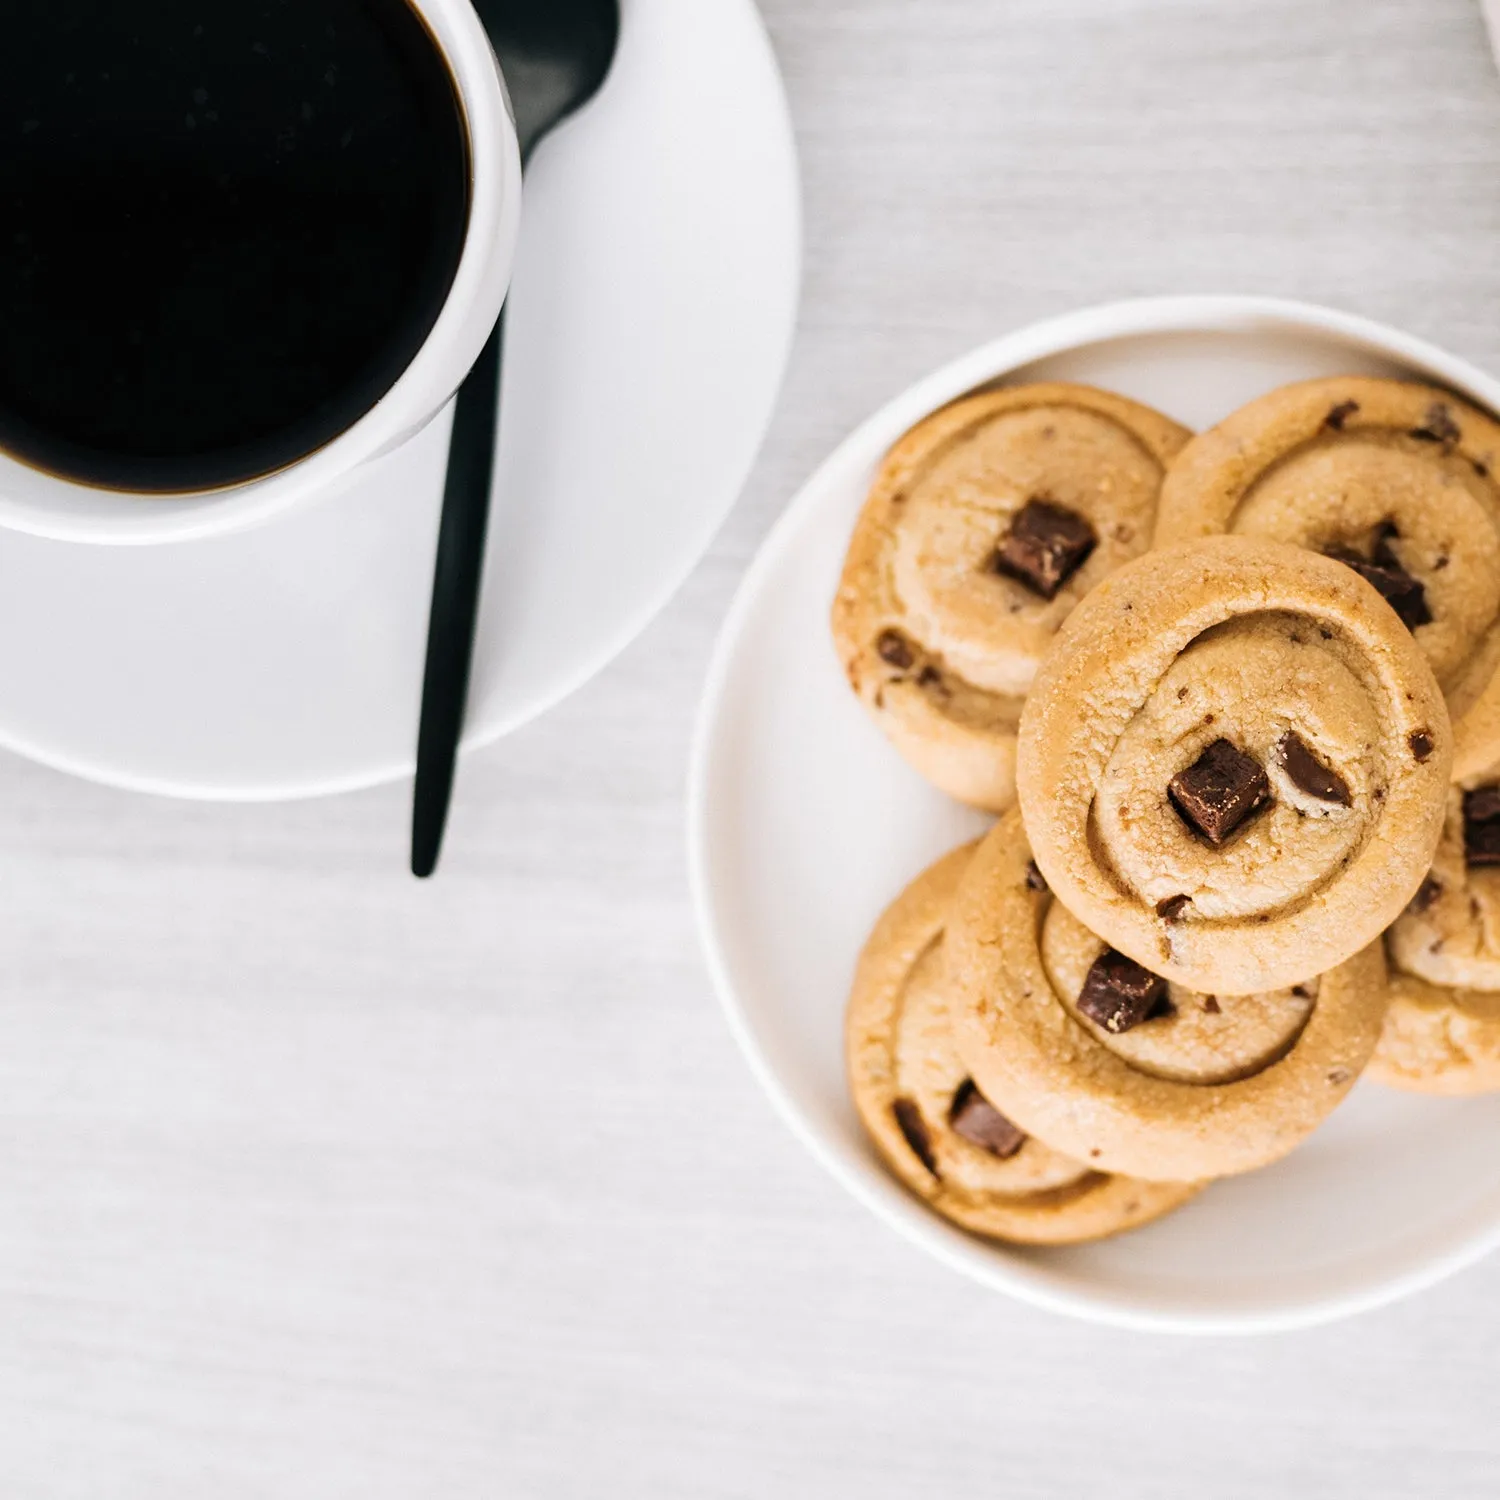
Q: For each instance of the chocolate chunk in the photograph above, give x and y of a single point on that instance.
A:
(1219, 791)
(1045, 545)
(914, 1128)
(1340, 414)
(1428, 892)
(1308, 774)
(1212, 1006)
(1421, 743)
(1483, 803)
(1035, 880)
(1173, 907)
(1413, 594)
(929, 676)
(1482, 826)
(894, 649)
(1118, 993)
(1438, 426)
(1405, 594)
(979, 1122)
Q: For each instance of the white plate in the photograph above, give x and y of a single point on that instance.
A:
(803, 824)
(652, 310)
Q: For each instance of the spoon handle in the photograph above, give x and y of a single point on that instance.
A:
(455, 599)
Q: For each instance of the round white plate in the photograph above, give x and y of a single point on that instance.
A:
(804, 824)
(650, 318)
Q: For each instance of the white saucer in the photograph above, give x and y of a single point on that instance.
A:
(804, 824)
(653, 306)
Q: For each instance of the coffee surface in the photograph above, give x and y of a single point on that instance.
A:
(226, 227)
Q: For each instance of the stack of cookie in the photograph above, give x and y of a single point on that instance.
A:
(1236, 699)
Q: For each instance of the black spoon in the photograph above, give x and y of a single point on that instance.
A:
(554, 55)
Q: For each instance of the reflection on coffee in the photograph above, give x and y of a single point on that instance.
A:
(226, 228)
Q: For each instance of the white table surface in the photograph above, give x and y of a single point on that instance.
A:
(315, 1182)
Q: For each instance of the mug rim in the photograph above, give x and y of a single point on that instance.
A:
(65, 509)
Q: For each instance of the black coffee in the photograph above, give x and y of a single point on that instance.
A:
(226, 227)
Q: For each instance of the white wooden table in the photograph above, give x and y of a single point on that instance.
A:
(318, 1183)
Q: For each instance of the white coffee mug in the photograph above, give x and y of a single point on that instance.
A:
(48, 506)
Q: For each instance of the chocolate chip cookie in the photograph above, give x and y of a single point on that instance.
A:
(1398, 481)
(933, 1125)
(1233, 764)
(1442, 1033)
(1118, 1066)
(986, 523)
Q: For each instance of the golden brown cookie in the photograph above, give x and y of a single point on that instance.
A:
(1442, 1032)
(936, 1131)
(987, 522)
(1233, 764)
(1123, 1070)
(1398, 480)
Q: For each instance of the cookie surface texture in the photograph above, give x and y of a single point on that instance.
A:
(1442, 1032)
(1233, 766)
(985, 525)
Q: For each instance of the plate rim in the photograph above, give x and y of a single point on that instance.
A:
(866, 1182)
